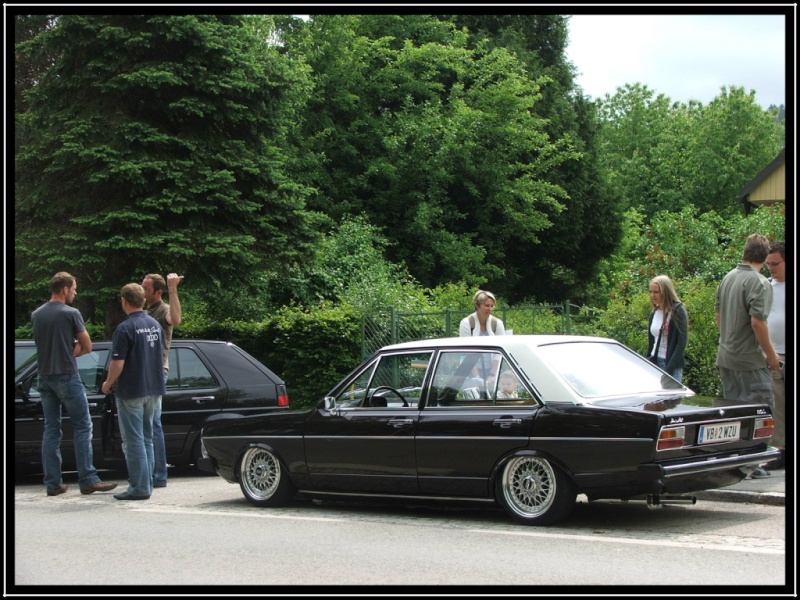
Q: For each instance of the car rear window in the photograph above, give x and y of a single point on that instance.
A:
(186, 370)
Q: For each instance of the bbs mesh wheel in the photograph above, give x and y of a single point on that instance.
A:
(534, 492)
(263, 480)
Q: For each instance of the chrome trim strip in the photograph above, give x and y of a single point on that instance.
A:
(410, 497)
(427, 438)
(253, 437)
(717, 421)
(716, 464)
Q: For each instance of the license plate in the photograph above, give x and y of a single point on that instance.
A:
(719, 433)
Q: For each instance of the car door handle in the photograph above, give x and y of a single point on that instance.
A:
(202, 399)
(92, 404)
(506, 422)
(400, 422)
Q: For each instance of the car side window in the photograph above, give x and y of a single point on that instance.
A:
(393, 381)
(470, 378)
(23, 356)
(397, 380)
(186, 370)
(92, 370)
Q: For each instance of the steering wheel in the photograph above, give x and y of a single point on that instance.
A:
(391, 389)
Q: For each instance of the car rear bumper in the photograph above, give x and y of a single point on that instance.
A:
(719, 463)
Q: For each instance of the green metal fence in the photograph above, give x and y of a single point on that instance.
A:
(390, 327)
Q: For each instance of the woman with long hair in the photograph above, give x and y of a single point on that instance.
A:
(668, 327)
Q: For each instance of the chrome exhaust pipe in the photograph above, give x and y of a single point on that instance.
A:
(656, 500)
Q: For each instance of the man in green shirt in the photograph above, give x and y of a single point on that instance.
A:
(745, 356)
(168, 316)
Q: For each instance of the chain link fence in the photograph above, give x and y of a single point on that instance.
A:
(379, 329)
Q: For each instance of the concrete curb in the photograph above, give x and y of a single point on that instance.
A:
(771, 498)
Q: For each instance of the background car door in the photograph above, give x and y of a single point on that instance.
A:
(194, 393)
(29, 417)
(366, 443)
(464, 428)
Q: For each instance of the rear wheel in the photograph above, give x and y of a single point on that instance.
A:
(263, 479)
(534, 492)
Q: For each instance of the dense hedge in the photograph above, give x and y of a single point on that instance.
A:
(310, 350)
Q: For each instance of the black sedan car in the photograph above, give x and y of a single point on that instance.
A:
(431, 419)
(208, 381)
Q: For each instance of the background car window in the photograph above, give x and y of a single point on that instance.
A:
(186, 370)
(92, 370)
(23, 356)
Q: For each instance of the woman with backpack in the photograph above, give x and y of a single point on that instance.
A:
(482, 321)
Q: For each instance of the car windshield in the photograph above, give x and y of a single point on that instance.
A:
(603, 369)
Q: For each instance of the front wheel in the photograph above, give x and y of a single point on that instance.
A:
(263, 480)
(534, 492)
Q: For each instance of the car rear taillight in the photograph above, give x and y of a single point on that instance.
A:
(672, 438)
(763, 427)
(283, 396)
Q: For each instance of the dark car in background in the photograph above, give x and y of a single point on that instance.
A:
(208, 381)
(436, 419)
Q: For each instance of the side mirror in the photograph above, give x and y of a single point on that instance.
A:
(329, 403)
(22, 392)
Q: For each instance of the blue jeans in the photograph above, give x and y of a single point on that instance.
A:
(677, 374)
(136, 426)
(159, 448)
(67, 390)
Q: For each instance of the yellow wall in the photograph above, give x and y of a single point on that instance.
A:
(772, 189)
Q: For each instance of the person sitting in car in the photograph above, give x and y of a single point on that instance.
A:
(507, 386)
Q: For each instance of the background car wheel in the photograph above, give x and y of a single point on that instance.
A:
(534, 492)
(262, 478)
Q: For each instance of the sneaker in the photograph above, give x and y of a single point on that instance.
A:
(127, 496)
(778, 463)
(759, 473)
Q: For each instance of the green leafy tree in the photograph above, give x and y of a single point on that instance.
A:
(587, 227)
(439, 144)
(349, 266)
(662, 156)
(159, 143)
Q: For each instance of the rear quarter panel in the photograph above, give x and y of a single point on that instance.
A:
(590, 440)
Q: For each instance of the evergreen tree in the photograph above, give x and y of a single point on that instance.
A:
(158, 143)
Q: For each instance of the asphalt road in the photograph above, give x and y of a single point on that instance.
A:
(200, 536)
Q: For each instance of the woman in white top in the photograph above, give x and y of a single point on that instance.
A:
(668, 327)
(482, 321)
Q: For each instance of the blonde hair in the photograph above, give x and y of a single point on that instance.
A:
(669, 297)
(481, 296)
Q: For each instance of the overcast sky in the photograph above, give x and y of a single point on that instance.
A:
(685, 57)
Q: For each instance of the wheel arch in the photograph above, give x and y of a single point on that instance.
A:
(497, 470)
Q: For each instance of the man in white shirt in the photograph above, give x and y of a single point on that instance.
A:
(776, 321)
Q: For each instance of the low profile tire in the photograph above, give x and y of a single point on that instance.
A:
(263, 479)
(534, 492)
